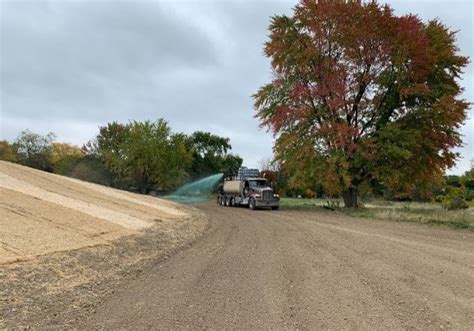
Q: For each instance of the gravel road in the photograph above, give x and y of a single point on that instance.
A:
(307, 270)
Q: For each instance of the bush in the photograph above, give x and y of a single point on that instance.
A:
(469, 195)
(439, 198)
(454, 198)
(469, 183)
(90, 169)
(309, 194)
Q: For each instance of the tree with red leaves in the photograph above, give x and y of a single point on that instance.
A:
(360, 94)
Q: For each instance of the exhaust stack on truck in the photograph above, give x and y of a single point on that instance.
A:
(247, 189)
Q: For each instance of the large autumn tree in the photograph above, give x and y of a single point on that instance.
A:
(360, 94)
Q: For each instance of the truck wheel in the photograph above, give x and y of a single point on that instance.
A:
(275, 207)
(223, 201)
(227, 202)
(252, 203)
(232, 202)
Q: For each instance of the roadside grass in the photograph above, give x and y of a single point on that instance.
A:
(416, 212)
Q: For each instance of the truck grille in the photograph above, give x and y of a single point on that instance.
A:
(267, 195)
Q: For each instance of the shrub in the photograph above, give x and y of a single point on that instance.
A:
(90, 169)
(469, 195)
(454, 198)
(309, 194)
(439, 198)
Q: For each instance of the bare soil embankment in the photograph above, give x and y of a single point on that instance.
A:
(43, 213)
(65, 243)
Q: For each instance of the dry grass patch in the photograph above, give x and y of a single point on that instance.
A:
(417, 212)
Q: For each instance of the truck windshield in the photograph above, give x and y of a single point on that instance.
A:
(257, 183)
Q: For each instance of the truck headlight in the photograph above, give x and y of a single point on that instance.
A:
(257, 195)
(276, 196)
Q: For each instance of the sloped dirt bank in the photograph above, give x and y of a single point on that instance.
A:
(42, 213)
(61, 288)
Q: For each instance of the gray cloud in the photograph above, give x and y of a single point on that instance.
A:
(71, 66)
(89, 56)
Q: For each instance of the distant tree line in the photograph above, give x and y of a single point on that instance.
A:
(145, 156)
(136, 156)
(452, 191)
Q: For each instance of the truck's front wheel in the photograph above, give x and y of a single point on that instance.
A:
(252, 203)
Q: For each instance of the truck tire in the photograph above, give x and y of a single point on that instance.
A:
(275, 207)
(232, 202)
(227, 202)
(222, 201)
(252, 203)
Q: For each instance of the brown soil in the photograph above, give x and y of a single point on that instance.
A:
(303, 270)
(61, 288)
(258, 270)
(41, 213)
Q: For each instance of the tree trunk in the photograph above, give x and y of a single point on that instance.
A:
(143, 184)
(350, 198)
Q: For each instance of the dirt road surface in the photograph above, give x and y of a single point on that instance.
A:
(303, 270)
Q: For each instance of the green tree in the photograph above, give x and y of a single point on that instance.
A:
(210, 154)
(109, 146)
(143, 154)
(65, 157)
(35, 150)
(91, 169)
(360, 94)
(231, 163)
(7, 151)
(454, 181)
(468, 182)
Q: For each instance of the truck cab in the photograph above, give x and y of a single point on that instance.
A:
(260, 194)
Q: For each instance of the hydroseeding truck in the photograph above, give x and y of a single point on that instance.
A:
(247, 189)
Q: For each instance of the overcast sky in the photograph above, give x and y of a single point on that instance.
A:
(72, 66)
